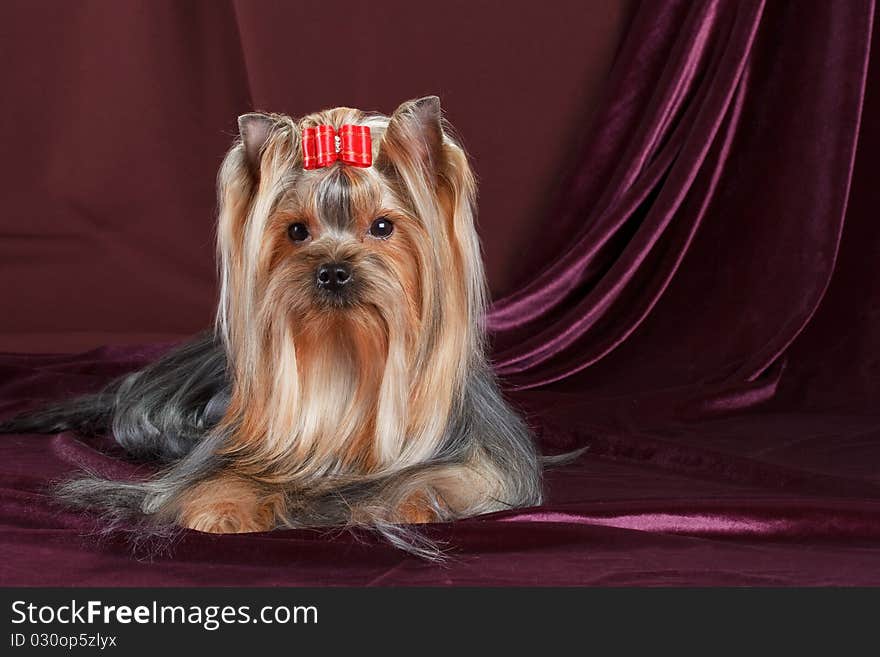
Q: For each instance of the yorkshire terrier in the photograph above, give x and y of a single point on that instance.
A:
(346, 382)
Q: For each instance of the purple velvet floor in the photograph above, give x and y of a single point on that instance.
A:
(772, 498)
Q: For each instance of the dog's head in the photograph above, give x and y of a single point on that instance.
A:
(363, 277)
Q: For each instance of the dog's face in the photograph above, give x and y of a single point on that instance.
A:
(351, 295)
(342, 247)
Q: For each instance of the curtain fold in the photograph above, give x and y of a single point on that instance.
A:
(724, 148)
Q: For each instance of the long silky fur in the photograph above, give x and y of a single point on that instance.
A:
(224, 402)
(157, 413)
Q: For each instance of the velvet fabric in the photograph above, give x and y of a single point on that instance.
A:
(701, 308)
(117, 114)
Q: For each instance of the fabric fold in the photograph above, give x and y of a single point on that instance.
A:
(687, 155)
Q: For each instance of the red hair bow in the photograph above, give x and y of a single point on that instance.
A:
(322, 146)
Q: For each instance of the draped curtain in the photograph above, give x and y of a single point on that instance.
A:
(117, 127)
(703, 221)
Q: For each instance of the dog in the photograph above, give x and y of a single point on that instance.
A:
(346, 382)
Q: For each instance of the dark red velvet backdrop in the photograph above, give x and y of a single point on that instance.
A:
(694, 292)
(116, 115)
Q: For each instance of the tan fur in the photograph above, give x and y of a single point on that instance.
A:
(229, 505)
(321, 392)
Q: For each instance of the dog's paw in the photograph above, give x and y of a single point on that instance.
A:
(227, 506)
(419, 508)
(225, 519)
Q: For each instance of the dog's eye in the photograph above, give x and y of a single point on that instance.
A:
(382, 227)
(298, 232)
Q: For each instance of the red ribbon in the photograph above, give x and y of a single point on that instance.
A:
(322, 146)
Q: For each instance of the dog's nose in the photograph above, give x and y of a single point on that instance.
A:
(333, 276)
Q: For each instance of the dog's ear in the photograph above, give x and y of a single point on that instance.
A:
(414, 135)
(254, 129)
